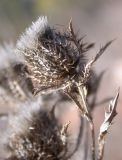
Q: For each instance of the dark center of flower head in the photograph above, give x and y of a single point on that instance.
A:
(62, 56)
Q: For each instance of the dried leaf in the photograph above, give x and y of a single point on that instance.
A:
(89, 64)
(109, 115)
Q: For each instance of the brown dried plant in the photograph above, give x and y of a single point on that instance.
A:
(52, 61)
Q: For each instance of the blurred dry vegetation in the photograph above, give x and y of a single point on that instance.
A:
(100, 21)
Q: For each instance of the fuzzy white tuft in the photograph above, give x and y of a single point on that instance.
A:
(20, 121)
(30, 37)
(8, 56)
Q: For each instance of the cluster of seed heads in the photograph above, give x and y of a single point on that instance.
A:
(50, 61)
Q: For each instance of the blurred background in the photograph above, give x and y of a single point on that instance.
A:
(100, 21)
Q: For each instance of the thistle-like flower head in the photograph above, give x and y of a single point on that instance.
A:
(53, 58)
(35, 134)
(56, 60)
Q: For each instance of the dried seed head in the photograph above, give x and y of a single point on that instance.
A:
(52, 57)
(36, 134)
(56, 61)
(14, 84)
